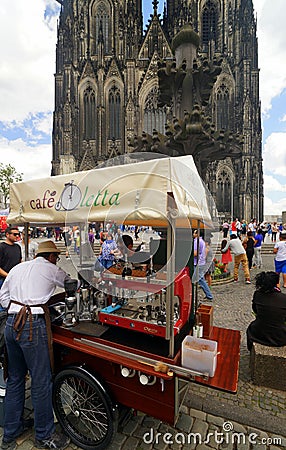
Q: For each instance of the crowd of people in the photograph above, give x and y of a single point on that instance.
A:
(241, 244)
(242, 227)
(252, 235)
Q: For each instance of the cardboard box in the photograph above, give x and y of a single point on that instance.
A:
(199, 354)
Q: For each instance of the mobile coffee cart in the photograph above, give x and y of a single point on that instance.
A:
(121, 336)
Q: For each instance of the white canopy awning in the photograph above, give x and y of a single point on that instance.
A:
(130, 193)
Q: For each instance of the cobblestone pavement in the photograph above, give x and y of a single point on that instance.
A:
(253, 419)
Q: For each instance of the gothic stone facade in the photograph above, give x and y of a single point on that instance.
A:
(106, 86)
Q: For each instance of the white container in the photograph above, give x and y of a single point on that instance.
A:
(199, 355)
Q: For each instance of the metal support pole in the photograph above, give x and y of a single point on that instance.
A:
(26, 240)
(170, 283)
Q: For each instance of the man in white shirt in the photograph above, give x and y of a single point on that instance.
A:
(239, 253)
(238, 227)
(28, 286)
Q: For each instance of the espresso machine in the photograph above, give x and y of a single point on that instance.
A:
(85, 296)
(70, 287)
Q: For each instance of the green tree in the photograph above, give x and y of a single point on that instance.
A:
(8, 175)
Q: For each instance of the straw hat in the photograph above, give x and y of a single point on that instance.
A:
(47, 247)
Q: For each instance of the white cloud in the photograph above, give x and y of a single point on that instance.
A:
(274, 154)
(27, 59)
(271, 184)
(272, 49)
(44, 125)
(32, 161)
(274, 207)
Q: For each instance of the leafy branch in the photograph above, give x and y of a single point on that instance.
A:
(8, 175)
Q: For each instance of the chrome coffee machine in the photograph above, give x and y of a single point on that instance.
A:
(70, 302)
(85, 296)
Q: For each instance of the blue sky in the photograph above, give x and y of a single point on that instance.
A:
(148, 9)
(27, 68)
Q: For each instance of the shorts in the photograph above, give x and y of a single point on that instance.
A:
(280, 266)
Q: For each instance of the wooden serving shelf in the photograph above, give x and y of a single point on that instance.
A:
(226, 375)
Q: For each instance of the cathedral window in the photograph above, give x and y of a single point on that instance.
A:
(89, 114)
(154, 117)
(114, 104)
(209, 22)
(223, 107)
(224, 191)
(102, 26)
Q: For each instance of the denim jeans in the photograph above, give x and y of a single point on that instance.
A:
(106, 263)
(32, 356)
(202, 281)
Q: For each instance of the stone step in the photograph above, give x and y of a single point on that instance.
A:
(61, 246)
(266, 249)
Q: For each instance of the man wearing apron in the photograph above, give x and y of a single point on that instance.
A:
(25, 292)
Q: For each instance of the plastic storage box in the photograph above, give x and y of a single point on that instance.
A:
(199, 354)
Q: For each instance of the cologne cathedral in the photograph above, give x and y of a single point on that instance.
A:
(187, 84)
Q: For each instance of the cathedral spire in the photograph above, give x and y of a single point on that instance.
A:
(155, 7)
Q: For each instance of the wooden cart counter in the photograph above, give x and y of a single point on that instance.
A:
(225, 378)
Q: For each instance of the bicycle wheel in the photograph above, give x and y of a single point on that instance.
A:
(84, 409)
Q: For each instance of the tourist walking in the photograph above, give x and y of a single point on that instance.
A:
(225, 228)
(258, 239)
(209, 261)
(226, 257)
(200, 264)
(233, 229)
(280, 256)
(108, 252)
(244, 227)
(238, 227)
(67, 235)
(239, 252)
(252, 226)
(32, 247)
(274, 231)
(248, 244)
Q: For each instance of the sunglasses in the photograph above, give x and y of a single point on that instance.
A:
(15, 234)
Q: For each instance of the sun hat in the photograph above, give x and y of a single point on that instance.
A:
(47, 247)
